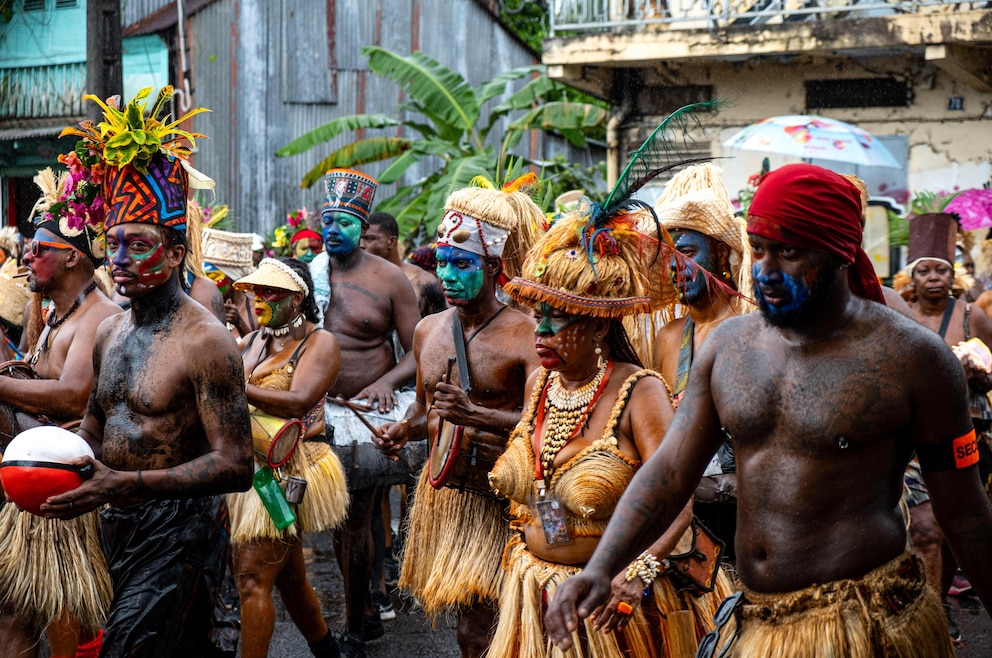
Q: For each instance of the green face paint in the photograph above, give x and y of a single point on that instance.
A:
(551, 321)
(461, 272)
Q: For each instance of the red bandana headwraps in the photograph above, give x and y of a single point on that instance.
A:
(814, 208)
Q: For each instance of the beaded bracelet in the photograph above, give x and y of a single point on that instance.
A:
(644, 567)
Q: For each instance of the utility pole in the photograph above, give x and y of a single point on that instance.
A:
(104, 71)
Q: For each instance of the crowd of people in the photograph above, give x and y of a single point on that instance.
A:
(618, 430)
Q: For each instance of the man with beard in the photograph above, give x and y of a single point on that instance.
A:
(380, 238)
(168, 421)
(363, 299)
(825, 397)
(458, 528)
(60, 262)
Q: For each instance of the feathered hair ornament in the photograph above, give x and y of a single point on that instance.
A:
(594, 260)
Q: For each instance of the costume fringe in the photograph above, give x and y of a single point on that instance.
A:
(50, 568)
(520, 632)
(194, 237)
(454, 544)
(324, 506)
(847, 618)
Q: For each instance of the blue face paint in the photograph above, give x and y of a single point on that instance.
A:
(698, 248)
(461, 272)
(341, 231)
(791, 292)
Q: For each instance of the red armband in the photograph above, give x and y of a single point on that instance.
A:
(950, 454)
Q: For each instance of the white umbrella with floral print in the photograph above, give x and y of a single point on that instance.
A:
(813, 137)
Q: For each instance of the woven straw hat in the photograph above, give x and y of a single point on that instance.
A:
(272, 274)
(14, 294)
(229, 252)
(609, 281)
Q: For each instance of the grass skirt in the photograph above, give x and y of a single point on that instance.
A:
(324, 506)
(529, 582)
(850, 618)
(50, 567)
(454, 545)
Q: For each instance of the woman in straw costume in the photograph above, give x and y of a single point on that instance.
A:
(289, 365)
(593, 416)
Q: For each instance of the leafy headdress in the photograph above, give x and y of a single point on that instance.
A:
(145, 173)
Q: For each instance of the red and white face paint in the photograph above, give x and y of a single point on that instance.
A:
(138, 259)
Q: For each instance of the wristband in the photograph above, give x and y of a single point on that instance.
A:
(644, 567)
(949, 454)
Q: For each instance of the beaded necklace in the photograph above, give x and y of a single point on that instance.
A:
(55, 324)
(565, 411)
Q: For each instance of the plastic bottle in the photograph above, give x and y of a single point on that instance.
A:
(273, 497)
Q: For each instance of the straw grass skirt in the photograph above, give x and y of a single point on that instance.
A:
(50, 568)
(888, 613)
(454, 546)
(324, 506)
(530, 582)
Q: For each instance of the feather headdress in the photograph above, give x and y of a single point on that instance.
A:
(595, 260)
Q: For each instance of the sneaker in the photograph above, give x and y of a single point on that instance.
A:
(960, 586)
(385, 605)
(952, 626)
(372, 628)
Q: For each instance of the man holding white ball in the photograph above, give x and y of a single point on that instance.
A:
(167, 418)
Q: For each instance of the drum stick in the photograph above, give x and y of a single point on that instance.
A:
(353, 407)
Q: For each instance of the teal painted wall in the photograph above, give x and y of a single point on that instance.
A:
(43, 38)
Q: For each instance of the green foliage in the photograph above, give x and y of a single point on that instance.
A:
(447, 121)
(925, 201)
(528, 20)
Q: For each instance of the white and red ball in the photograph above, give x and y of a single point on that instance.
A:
(37, 465)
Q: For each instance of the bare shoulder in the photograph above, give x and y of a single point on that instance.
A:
(386, 273)
(516, 320)
(98, 311)
(981, 324)
(897, 335)
(430, 324)
(202, 331)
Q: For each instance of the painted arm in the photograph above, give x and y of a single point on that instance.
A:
(959, 502)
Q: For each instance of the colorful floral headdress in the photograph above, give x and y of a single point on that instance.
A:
(145, 175)
(71, 206)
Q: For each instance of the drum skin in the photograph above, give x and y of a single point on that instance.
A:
(462, 460)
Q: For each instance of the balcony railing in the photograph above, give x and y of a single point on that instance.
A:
(571, 17)
(40, 92)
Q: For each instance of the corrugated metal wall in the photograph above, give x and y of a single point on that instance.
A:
(240, 54)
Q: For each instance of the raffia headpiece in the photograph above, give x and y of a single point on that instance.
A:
(697, 199)
(493, 223)
(611, 281)
(594, 260)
